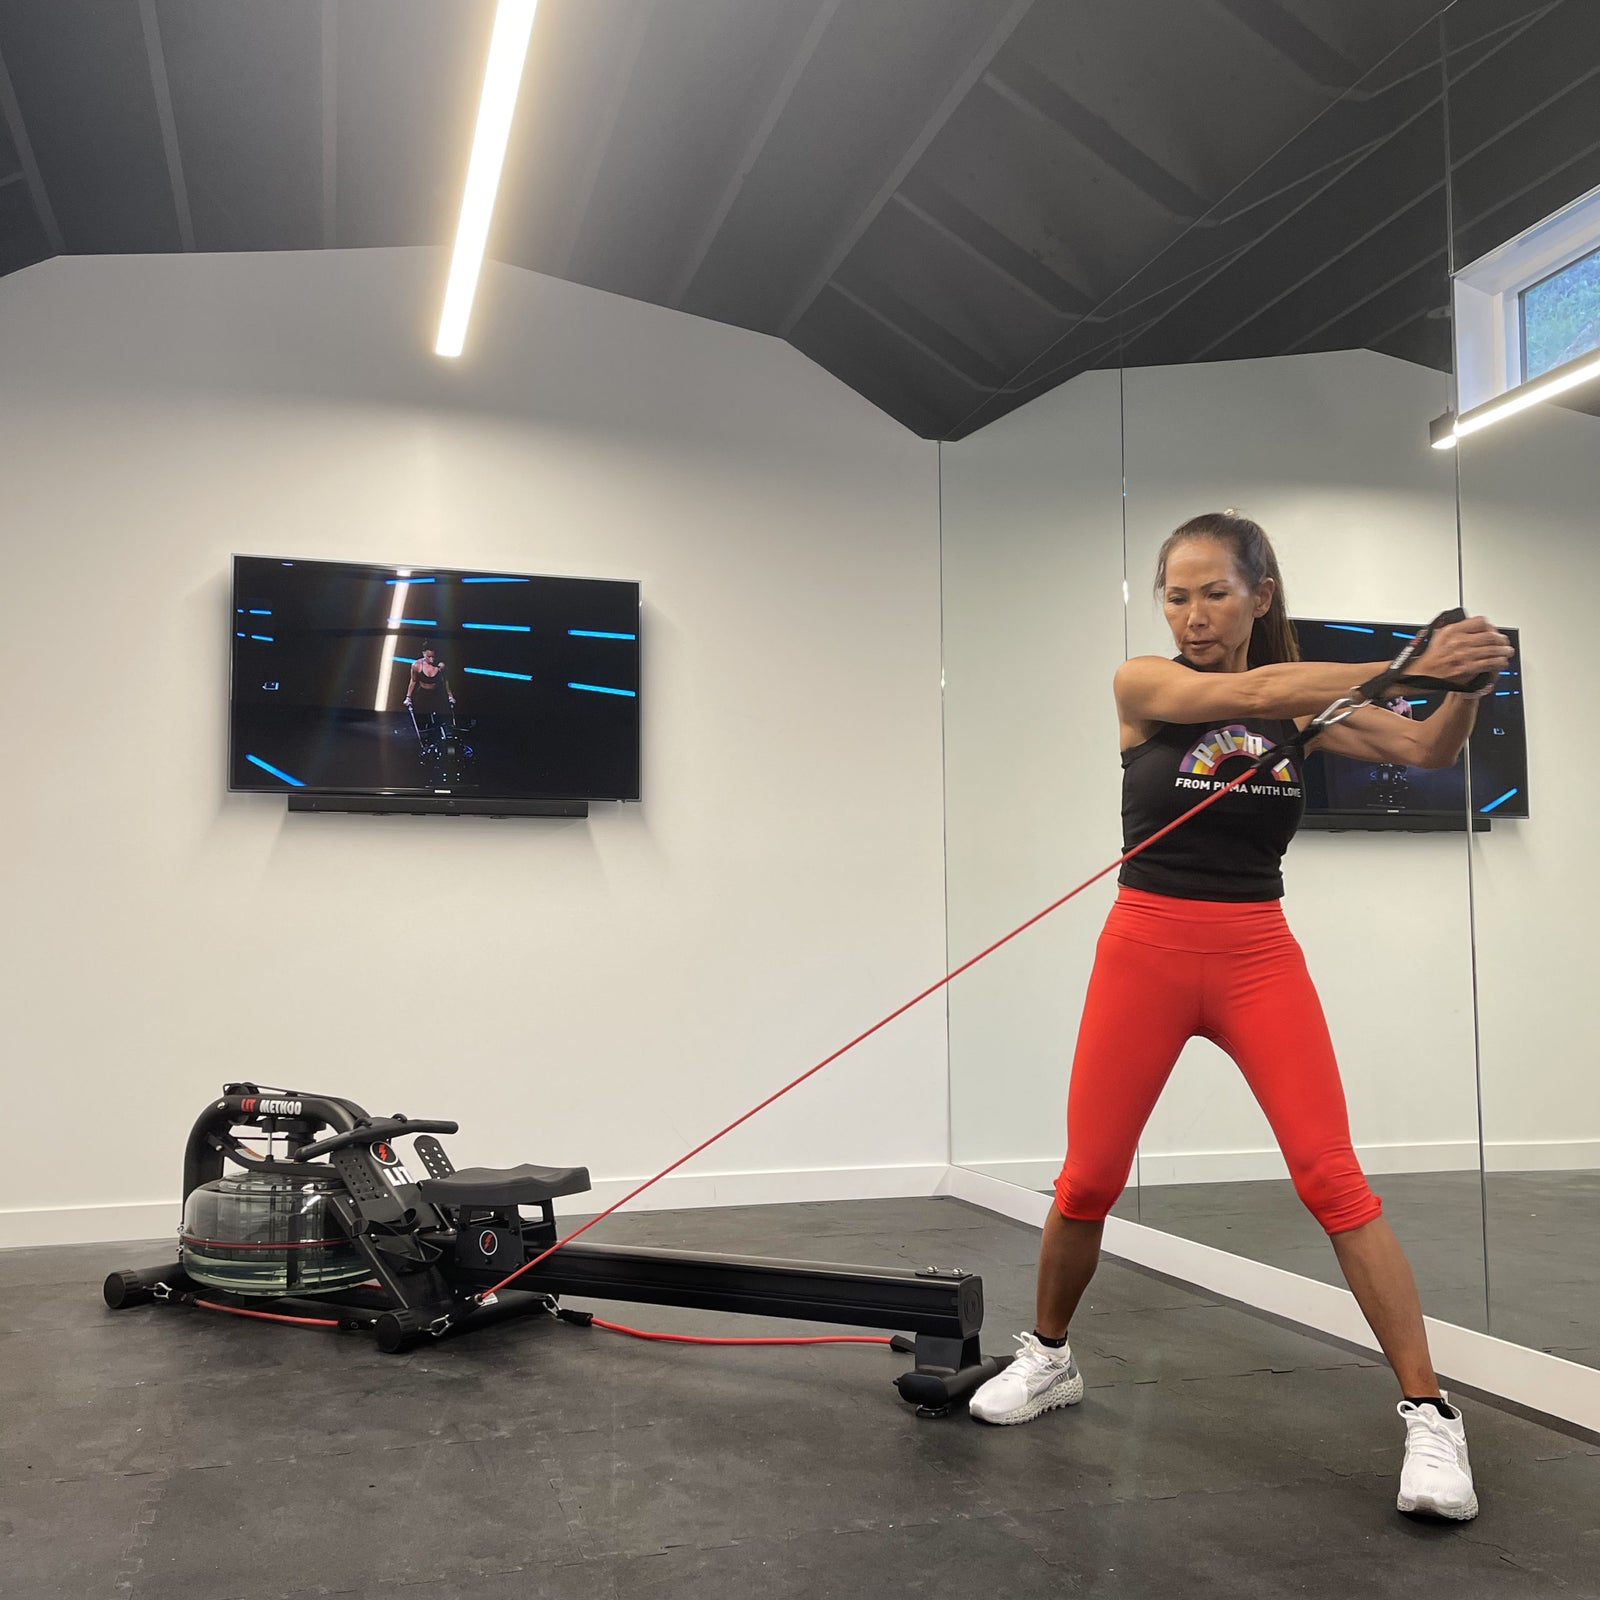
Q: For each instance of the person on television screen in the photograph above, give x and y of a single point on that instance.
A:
(1196, 945)
(429, 690)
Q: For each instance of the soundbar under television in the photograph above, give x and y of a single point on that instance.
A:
(462, 691)
(1345, 793)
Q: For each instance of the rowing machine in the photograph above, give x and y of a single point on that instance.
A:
(339, 1233)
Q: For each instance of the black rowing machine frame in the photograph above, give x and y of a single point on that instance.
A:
(435, 1244)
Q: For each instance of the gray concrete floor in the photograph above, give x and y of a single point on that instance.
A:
(152, 1455)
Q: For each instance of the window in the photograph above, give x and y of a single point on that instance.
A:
(1529, 306)
(1561, 316)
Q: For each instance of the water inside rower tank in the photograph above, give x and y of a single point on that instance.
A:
(268, 1234)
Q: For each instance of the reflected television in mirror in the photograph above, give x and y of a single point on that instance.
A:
(1343, 793)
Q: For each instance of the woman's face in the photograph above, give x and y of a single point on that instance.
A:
(427, 657)
(1210, 606)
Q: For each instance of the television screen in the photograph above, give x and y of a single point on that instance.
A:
(361, 680)
(1339, 787)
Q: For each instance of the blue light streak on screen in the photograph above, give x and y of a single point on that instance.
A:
(1396, 632)
(489, 672)
(595, 688)
(256, 611)
(1350, 627)
(416, 622)
(393, 581)
(588, 633)
(277, 772)
(1500, 802)
(262, 638)
(496, 580)
(499, 627)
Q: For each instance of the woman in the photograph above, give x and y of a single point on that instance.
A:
(1197, 945)
(429, 688)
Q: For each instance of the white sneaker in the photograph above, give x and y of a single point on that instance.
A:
(1039, 1379)
(1436, 1478)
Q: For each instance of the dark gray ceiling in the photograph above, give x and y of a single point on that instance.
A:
(950, 204)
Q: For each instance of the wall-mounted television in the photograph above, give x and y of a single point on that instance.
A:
(1345, 793)
(370, 688)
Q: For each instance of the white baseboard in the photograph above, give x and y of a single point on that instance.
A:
(1159, 1168)
(1543, 1155)
(684, 1191)
(47, 1225)
(1527, 1377)
(691, 1191)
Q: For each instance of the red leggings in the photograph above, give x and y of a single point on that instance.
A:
(1167, 970)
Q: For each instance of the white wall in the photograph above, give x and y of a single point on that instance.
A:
(1031, 515)
(1329, 453)
(619, 987)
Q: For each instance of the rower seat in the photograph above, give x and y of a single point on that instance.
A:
(498, 1187)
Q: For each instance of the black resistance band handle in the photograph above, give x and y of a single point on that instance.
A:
(1396, 675)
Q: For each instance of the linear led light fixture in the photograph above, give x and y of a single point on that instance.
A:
(1444, 431)
(508, 50)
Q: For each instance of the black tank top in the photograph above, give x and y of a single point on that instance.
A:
(1232, 850)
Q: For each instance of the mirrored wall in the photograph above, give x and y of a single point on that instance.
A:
(1289, 353)
(1525, 232)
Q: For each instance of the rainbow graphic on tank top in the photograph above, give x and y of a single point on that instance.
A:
(1235, 740)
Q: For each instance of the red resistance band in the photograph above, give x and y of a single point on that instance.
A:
(685, 1338)
(614, 1327)
(1270, 758)
(267, 1316)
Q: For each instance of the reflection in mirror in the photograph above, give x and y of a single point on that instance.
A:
(1281, 354)
(1291, 374)
(1524, 179)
